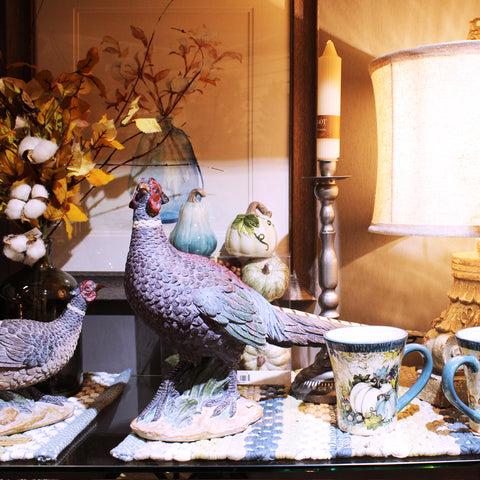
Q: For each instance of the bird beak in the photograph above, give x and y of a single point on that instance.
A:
(143, 187)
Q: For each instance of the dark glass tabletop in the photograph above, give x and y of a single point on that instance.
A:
(89, 455)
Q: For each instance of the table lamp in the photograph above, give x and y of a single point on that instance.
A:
(428, 176)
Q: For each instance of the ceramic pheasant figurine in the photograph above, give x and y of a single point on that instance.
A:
(200, 307)
(32, 351)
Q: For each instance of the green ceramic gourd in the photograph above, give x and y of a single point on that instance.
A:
(193, 233)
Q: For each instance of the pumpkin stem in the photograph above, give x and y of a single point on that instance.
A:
(193, 196)
(376, 382)
(254, 206)
(266, 269)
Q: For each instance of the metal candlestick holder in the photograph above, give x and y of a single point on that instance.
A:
(326, 191)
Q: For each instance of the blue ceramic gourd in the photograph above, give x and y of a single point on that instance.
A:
(193, 233)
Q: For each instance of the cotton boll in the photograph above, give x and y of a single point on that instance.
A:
(43, 151)
(35, 251)
(39, 191)
(34, 208)
(14, 208)
(16, 242)
(13, 255)
(21, 192)
(28, 143)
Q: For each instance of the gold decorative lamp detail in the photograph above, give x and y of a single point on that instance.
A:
(428, 177)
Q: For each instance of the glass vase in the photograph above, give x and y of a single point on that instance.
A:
(41, 293)
(168, 157)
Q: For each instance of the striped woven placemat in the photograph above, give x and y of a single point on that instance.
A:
(296, 430)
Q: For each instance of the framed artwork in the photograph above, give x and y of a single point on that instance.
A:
(238, 126)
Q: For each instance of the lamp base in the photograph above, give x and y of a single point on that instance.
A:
(463, 309)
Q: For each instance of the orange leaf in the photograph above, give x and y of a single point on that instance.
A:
(85, 65)
(97, 177)
(53, 213)
(234, 55)
(10, 164)
(109, 39)
(59, 188)
(139, 34)
(161, 75)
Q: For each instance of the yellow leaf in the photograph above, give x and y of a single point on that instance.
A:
(134, 107)
(116, 144)
(148, 125)
(68, 228)
(97, 177)
(80, 163)
(75, 213)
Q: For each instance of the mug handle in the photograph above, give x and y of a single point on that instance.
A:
(449, 387)
(422, 380)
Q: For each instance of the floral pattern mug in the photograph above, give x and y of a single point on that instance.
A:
(366, 362)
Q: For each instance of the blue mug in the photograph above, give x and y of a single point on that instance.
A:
(468, 340)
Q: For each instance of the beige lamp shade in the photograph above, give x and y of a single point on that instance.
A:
(428, 126)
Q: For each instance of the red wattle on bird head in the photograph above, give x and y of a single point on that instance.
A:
(157, 197)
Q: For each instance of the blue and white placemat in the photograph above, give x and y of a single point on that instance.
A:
(98, 390)
(292, 429)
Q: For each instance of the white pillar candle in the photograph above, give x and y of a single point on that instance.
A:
(328, 108)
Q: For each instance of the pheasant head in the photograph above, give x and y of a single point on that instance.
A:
(150, 196)
(89, 289)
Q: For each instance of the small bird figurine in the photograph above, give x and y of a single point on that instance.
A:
(32, 351)
(200, 307)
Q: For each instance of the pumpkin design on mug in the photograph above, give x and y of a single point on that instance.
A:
(371, 399)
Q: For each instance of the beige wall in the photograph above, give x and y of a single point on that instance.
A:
(384, 280)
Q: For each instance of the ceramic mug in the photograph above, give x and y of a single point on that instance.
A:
(468, 340)
(366, 363)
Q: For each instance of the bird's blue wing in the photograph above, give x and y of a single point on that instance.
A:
(233, 309)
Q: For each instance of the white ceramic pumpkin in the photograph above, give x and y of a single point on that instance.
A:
(270, 357)
(364, 397)
(268, 276)
(252, 234)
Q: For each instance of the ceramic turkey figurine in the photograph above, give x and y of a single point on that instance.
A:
(203, 311)
(32, 351)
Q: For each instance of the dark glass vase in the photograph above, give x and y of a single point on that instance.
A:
(41, 293)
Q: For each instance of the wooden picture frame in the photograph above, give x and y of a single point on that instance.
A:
(303, 52)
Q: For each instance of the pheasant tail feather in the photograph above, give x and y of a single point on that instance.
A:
(294, 327)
